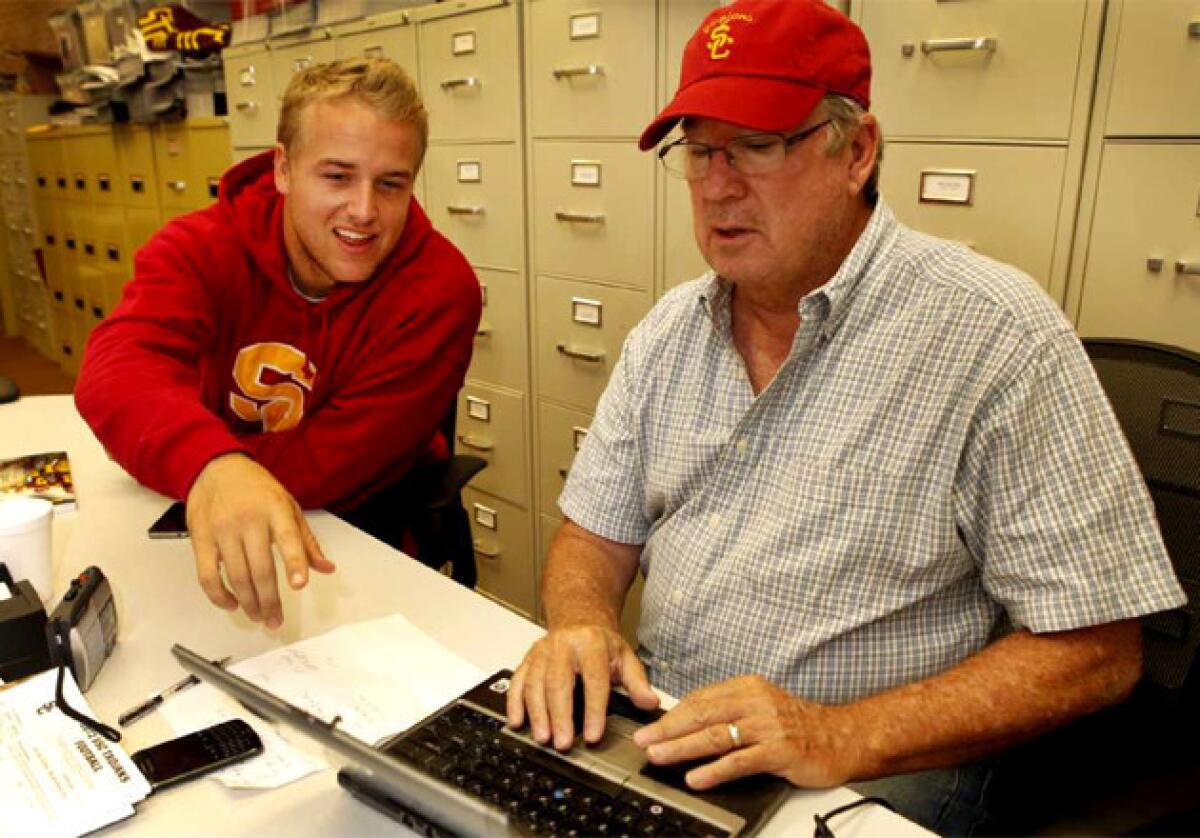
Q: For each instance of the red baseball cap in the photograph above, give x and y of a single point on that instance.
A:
(765, 64)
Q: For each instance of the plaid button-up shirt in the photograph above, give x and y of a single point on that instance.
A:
(934, 462)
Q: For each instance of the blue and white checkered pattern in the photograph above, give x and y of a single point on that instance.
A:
(934, 461)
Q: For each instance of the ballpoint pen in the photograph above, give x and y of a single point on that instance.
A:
(134, 713)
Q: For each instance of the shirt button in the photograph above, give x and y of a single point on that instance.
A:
(676, 597)
(666, 667)
(714, 521)
(742, 445)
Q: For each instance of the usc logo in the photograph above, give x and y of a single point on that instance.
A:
(279, 406)
(719, 40)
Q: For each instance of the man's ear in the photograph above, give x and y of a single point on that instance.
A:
(283, 169)
(864, 149)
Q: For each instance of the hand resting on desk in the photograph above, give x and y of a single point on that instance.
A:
(238, 515)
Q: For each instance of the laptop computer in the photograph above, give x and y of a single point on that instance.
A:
(462, 771)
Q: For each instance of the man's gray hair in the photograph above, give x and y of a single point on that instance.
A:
(845, 117)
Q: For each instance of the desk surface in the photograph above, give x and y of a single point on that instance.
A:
(159, 603)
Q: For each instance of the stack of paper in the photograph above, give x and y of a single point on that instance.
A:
(380, 677)
(56, 776)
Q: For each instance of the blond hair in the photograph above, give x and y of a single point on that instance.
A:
(845, 116)
(379, 83)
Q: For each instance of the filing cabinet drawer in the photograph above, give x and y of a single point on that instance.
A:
(593, 206)
(399, 43)
(682, 259)
(986, 68)
(471, 190)
(208, 148)
(971, 193)
(176, 186)
(469, 75)
(501, 342)
(253, 104)
(100, 166)
(589, 67)
(1156, 72)
(94, 282)
(580, 330)
(560, 433)
(79, 188)
(45, 163)
(1142, 276)
(288, 60)
(135, 160)
(190, 160)
(630, 613)
(491, 425)
(504, 556)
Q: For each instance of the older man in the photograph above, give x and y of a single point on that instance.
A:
(887, 521)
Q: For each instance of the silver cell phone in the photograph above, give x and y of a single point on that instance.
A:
(172, 523)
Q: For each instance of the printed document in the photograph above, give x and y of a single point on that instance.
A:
(57, 778)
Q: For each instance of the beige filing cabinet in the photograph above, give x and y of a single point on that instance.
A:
(250, 90)
(1136, 271)
(473, 177)
(984, 110)
(591, 86)
(99, 193)
(24, 298)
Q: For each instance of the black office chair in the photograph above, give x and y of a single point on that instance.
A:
(9, 392)
(1135, 768)
(425, 507)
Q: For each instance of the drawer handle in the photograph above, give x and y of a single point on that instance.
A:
(474, 443)
(177, 185)
(465, 81)
(246, 106)
(1154, 264)
(1194, 29)
(580, 217)
(97, 312)
(482, 551)
(459, 209)
(79, 304)
(982, 44)
(562, 472)
(89, 248)
(483, 331)
(585, 70)
(1189, 268)
(580, 354)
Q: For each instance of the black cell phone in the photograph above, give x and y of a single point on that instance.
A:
(197, 753)
(172, 523)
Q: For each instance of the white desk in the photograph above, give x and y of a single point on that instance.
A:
(159, 603)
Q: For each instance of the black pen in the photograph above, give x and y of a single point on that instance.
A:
(134, 713)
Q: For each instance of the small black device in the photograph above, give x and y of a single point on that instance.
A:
(23, 649)
(195, 754)
(83, 627)
(172, 523)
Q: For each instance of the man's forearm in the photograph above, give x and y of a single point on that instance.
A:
(586, 578)
(1016, 688)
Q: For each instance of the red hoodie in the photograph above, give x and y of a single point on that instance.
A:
(211, 350)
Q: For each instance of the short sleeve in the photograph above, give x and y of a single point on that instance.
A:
(1052, 505)
(605, 489)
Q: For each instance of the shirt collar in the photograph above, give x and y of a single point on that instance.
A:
(828, 303)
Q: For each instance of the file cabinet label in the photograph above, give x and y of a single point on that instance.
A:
(470, 171)
(585, 25)
(462, 43)
(947, 186)
(585, 172)
(588, 312)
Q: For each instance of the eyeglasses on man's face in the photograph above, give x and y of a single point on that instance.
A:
(749, 154)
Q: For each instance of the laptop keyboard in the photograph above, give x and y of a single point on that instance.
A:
(541, 794)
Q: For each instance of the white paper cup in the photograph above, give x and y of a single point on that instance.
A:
(25, 542)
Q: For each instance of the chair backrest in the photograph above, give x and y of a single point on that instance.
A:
(1155, 393)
